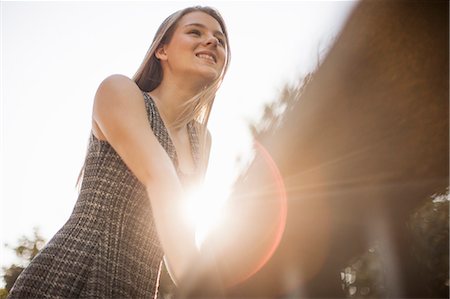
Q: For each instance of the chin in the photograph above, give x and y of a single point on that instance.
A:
(207, 79)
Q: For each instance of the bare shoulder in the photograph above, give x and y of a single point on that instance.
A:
(117, 87)
(117, 80)
(118, 100)
(117, 93)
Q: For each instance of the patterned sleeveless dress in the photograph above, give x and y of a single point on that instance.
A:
(109, 247)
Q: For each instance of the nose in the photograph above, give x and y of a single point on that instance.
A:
(212, 40)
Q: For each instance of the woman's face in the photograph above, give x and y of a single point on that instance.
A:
(197, 49)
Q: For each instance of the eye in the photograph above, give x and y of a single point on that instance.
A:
(221, 41)
(195, 32)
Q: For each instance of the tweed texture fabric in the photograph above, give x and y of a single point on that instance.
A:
(109, 247)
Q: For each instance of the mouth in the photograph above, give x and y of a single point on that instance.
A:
(207, 57)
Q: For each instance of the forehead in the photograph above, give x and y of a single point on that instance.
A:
(199, 17)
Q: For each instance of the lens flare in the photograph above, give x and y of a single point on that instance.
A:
(204, 210)
(203, 206)
(281, 198)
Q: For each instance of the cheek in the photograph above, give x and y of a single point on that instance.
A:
(186, 43)
(182, 46)
(223, 56)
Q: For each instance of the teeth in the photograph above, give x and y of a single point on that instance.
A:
(206, 56)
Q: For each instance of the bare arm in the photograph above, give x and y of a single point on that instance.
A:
(120, 116)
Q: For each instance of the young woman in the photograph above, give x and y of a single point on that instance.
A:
(149, 143)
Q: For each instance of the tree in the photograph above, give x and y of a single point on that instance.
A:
(364, 147)
(26, 249)
(365, 276)
(275, 110)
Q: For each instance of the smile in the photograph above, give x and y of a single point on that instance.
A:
(207, 57)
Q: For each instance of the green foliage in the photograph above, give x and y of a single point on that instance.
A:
(26, 249)
(428, 226)
(364, 277)
(3, 293)
(10, 275)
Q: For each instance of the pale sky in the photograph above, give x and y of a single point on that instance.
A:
(55, 54)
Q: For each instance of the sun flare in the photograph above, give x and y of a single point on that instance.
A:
(203, 207)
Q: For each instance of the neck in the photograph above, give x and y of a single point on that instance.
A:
(170, 99)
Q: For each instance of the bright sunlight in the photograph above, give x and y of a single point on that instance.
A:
(203, 208)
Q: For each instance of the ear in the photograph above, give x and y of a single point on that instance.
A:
(160, 53)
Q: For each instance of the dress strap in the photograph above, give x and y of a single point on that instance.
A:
(158, 128)
(162, 134)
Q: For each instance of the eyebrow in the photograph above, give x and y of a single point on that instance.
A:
(203, 26)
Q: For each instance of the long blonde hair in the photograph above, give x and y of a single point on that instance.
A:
(150, 74)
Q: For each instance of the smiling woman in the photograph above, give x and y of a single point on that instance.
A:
(57, 101)
(149, 145)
